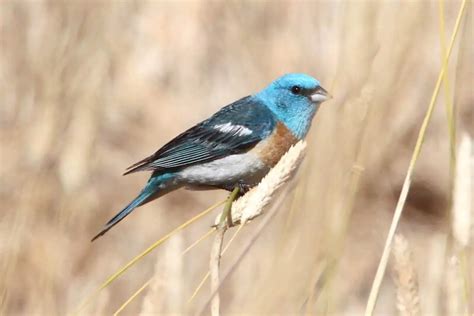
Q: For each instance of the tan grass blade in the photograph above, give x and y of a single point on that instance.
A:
(164, 295)
(405, 276)
(447, 92)
(214, 265)
(198, 241)
(204, 279)
(131, 298)
(122, 270)
(147, 283)
(406, 184)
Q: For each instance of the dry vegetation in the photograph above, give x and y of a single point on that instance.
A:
(87, 88)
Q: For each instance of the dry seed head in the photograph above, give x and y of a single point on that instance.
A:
(252, 204)
(408, 300)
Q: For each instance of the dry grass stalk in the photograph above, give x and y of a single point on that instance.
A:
(150, 280)
(216, 251)
(164, 295)
(454, 288)
(405, 276)
(249, 207)
(118, 273)
(252, 204)
(214, 265)
(133, 296)
(459, 270)
(374, 291)
(254, 236)
(432, 276)
(462, 193)
(206, 276)
(102, 303)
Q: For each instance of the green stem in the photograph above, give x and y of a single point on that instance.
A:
(226, 213)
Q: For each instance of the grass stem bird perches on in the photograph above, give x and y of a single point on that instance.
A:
(249, 207)
(216, 250)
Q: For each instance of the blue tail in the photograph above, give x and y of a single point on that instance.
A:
(150, 192)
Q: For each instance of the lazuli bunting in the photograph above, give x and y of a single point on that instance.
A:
(237, 146)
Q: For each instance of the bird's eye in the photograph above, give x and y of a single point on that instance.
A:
(295, 90)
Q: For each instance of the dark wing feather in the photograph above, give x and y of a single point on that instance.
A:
(248, 121)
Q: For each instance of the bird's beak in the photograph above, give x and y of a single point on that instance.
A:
(320, 95)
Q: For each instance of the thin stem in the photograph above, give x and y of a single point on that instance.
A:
(132, 262)
(204, 279)
(216, 251)
(406, 184)
(214, 269)
(131, 298)
(256, 233)
(147, 283)
(228, 207)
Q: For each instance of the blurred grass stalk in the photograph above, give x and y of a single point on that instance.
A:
(372, 301)
(136, 259)
(463, 187)
(157, 271)
(338, 234)
(406, 278)
(164, 295)
(459, 267)
(206, 276)
(216, 250)
(449, 105)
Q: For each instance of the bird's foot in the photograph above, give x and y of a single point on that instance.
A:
(243, 188)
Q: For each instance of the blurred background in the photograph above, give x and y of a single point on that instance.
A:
(88, 88)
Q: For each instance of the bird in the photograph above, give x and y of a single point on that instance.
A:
(235, 147)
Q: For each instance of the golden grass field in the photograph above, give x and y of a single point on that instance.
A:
(89, 87)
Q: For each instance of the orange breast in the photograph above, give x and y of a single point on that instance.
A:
(275, 146)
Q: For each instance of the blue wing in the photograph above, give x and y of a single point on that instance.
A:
(234, 129)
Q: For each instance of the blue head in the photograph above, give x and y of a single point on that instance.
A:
(294, 99)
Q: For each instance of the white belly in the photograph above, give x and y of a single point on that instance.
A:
(247, 168)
